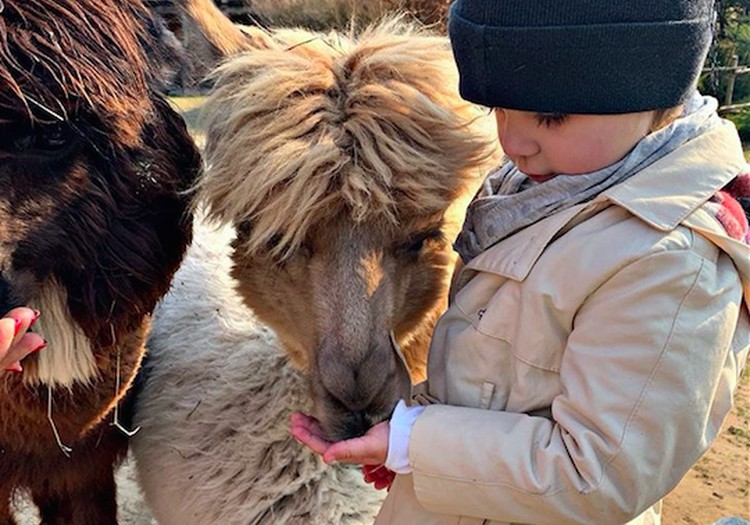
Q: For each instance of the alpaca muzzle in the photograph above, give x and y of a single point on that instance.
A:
(350, 409)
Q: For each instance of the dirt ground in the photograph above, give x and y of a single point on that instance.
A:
(719, 485)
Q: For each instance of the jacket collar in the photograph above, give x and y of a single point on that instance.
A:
(699, 168)
(663, 195)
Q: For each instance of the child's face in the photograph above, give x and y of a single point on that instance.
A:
(543, 145)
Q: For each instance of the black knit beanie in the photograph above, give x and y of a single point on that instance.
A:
(580, 56)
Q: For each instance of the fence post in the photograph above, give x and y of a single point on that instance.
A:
(730, 81)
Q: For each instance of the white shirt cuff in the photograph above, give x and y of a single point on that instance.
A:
(402, 421)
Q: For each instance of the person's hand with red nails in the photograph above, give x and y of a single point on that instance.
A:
(16, 342)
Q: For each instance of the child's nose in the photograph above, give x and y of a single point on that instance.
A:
(515, 135)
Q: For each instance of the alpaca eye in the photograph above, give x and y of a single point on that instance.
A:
(415, 245)
(53, 138)
(48, 139)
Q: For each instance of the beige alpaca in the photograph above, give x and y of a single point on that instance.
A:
(344, 164)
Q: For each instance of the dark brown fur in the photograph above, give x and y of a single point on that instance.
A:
(95, 204)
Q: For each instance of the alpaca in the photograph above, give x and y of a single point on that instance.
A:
(95, 222)
(336, 168)
(208, 36)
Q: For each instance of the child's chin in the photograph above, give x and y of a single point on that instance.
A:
(540, 178)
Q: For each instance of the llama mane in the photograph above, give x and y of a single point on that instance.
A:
(323, 125)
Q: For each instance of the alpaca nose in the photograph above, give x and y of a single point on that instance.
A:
(354, 384)
(357, 401)
(355, 424)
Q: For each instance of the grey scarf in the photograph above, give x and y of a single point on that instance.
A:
(509, 201)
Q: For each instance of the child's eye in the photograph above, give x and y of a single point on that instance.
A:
(551, 120)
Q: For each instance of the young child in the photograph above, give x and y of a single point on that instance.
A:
(599, 326)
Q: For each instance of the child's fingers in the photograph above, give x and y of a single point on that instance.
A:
(306, 430)
(28, 343)
(311, 441)
(309, 422)
(358, 450)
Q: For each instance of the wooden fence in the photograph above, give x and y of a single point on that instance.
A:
(732, 71)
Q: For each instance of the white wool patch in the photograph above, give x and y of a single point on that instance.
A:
(68, 357)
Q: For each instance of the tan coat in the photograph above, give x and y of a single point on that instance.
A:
(587, 361)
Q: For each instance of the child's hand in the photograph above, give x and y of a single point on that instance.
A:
(370, 449)
(380, 476)
(15, 342)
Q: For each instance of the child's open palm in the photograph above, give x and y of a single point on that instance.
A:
(370, 449)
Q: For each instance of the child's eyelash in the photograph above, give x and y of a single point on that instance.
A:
(551, 119)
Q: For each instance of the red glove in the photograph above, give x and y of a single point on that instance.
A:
(380, 476)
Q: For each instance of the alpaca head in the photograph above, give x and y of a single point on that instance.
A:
(92, 166)
(338, 161)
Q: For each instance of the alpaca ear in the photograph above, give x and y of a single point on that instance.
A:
(218, 33)
(181, 169)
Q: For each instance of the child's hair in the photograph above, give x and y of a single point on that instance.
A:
(664, 117)
(579, 56)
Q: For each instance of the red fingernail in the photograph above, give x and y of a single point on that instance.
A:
(35, 350)
(16, 326)
(37, 313)
(14, 368)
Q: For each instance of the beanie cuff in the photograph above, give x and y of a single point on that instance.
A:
(588, 69)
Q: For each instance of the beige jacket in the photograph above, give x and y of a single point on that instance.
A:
(587, 361)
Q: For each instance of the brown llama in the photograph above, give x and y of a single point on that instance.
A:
(93, 169)
(344, 162)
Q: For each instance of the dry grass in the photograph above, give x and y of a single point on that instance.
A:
(341, 14)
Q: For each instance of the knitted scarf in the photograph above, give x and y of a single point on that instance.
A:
(509, 201)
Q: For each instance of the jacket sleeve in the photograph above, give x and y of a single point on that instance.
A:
(648, 376)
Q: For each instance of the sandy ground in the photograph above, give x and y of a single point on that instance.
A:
(719, 485)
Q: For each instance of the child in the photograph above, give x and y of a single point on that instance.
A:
(598, 328)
